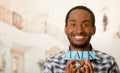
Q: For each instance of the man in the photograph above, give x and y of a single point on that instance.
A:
(79, 28)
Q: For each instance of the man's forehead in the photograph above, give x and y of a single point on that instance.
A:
(79, 11)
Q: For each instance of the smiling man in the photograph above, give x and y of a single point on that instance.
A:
(79, 28)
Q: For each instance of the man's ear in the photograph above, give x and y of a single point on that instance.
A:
(93, 30)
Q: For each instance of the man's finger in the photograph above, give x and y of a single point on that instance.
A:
(74, 70)
(82, 70)
(78, 71)
(89, 65)
(70, 62)
(87, 69)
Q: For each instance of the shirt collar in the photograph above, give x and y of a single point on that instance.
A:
(97, 57)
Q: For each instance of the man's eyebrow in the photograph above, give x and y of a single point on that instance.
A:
(72, 20)
(86, 21)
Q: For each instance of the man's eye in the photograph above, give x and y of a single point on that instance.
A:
(85, 25)
(73, 24)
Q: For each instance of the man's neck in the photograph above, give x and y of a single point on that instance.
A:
(86, 48)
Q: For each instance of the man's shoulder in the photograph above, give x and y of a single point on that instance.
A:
(105, 57)
(56, 57)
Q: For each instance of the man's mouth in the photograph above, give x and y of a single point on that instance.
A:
(79, 37)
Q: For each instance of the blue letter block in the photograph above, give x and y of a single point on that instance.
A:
(80, 55)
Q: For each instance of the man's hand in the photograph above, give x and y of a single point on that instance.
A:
(87, 68)
(71, 67)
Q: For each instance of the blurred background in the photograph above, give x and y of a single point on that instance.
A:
(32, 30)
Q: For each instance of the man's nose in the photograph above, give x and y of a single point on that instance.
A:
(79, 29)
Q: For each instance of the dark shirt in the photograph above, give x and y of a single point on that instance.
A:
(103, 63)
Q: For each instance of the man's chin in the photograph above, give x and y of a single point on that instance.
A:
(79, 45)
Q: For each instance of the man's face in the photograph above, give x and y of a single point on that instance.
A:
(79, 28)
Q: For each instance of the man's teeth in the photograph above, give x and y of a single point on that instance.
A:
(79, 37)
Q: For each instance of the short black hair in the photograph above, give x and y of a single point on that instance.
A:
(83, 8)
